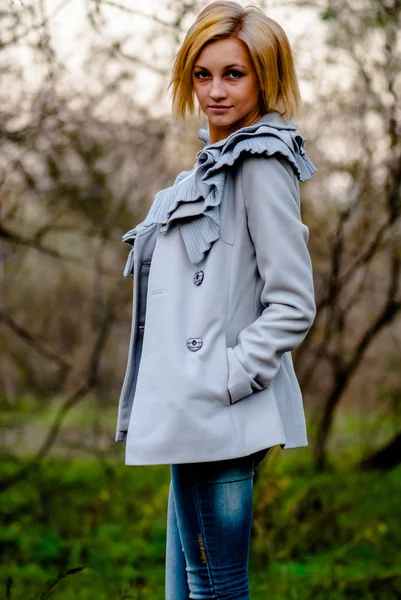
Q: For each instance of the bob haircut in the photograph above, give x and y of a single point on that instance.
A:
(268, 46)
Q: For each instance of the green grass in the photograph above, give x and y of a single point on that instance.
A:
(330, 536)
(92, 528)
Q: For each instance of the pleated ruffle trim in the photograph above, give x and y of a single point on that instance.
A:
(195, 196)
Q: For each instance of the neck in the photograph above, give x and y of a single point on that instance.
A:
(221, 133)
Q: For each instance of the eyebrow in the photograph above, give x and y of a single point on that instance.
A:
(226, 67)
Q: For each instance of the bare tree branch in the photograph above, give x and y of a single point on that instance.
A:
(75, 397)
(11, 236)
(116, 47)
(135, 12)
(34, 27)
(344, 371)
(35, 342)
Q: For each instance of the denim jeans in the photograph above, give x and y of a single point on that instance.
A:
(209, 521)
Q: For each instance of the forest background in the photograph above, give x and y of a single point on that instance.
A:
(86, 139)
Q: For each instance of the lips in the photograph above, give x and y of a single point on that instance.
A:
(218, 110)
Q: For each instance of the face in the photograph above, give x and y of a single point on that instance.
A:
(227, 87)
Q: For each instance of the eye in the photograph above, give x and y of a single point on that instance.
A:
(233, 74)
(201, 74)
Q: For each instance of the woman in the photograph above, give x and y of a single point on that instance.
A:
(223, 276)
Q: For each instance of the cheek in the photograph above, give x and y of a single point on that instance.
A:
(254, 93)
(199, 92)
(248, 94)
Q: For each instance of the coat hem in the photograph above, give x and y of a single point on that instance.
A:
(163, 460)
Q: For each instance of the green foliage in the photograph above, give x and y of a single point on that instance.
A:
(82, 529)
(328, 15)
(71, 514)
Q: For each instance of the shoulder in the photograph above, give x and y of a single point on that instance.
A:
(182, 175)
(266, 173)
(281, 148)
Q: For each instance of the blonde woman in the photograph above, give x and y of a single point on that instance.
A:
(223, 292)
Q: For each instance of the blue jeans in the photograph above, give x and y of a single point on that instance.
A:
(209, 521)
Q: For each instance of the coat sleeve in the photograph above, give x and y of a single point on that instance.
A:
(271, 196)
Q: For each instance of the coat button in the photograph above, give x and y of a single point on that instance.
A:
(194, 344)
(198, 277)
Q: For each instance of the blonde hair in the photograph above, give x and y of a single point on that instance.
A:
(268, 46)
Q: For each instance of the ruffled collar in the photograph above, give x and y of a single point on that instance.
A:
(195, 197)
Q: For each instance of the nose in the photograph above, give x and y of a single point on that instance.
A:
(217, 90)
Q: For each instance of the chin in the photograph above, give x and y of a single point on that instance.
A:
(226, 120)
(221, 119)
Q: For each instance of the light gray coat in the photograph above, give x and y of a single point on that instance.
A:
(210, 374)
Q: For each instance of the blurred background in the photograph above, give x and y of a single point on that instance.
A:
(86, 139)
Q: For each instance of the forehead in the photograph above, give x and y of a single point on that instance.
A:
(224, 52)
